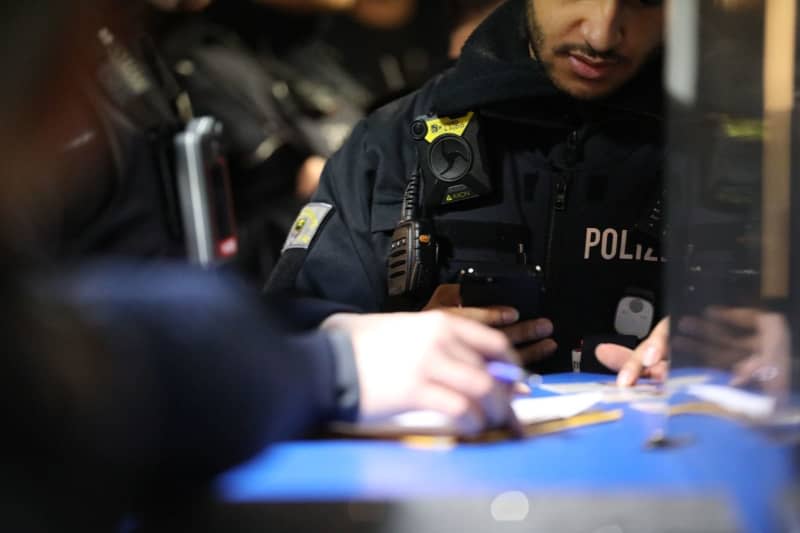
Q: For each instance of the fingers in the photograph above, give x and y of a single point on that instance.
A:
(465, 354)
(652, 354)
(342, 321)
(647, 356)
(660, 334)
(659, 371)
(744, 371)
(538, 351)
(464, 373)
(497, 405)
(462, 370)
(467, 414)
(522, 389)
(648, 360)
(613, 356)
(448, 295)
(630, 371)
(490, 316)
(463, 378)
(529, 331)
(489, 343)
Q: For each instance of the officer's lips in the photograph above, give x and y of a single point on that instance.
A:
(592, 69)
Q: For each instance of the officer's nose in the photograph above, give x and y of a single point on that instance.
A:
(602, 28)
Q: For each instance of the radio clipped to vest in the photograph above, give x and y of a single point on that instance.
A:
(451, 158)
(413, 252)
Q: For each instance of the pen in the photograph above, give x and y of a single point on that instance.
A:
(511, 375)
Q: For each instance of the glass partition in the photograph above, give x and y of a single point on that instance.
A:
(733, 276)
(731, 168)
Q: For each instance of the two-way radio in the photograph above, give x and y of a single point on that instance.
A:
(413, 251)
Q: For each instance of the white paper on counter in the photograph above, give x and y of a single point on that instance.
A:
(613, 394)
(749, 404)
(528, 411)
(533, 410)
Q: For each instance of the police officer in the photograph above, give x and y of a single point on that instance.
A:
(542, 150)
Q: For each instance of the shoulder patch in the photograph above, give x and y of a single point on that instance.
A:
(306, 226)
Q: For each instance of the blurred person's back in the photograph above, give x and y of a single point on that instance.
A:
(36, 447)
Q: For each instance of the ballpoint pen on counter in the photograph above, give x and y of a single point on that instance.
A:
(513, 374)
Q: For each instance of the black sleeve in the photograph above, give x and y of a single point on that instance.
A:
(193, 376)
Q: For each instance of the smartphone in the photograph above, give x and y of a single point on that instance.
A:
(204, 191)
(520, 288)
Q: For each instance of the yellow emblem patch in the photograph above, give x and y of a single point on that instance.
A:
(306, 225)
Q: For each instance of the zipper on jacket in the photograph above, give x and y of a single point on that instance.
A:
(561, 196)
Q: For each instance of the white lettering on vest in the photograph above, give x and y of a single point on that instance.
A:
(592, 240)
(623, 245)
(616, 244)
(609, 238)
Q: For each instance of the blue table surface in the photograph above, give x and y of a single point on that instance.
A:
(723, 458)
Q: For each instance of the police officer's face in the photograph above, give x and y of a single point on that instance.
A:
(592, 47)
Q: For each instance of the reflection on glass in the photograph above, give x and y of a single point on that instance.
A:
(729, 174)
(752, 344)
(733, 225)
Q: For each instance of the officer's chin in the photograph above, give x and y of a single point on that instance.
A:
(584, 89)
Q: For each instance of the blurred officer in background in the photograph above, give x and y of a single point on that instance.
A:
(123, 382)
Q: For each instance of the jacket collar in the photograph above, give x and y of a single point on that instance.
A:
(495, 70)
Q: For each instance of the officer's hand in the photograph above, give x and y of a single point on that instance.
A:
(649, 359)
(532, 337)
(433, 361)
